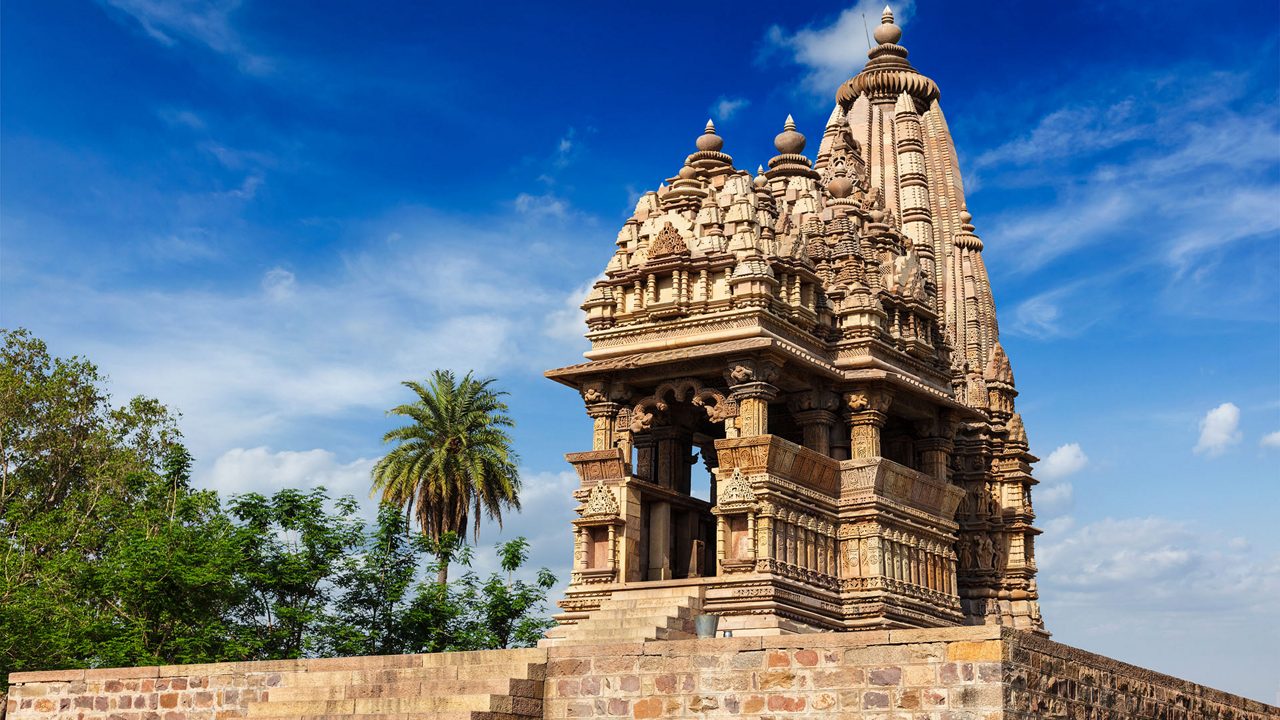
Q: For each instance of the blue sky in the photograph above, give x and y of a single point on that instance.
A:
(269, 214)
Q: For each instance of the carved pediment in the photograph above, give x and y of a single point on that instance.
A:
(601, 503)
(737, 491)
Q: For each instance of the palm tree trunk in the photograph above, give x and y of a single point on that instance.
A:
(442, 573)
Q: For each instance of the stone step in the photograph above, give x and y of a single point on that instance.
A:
(644, 596)
(636, 614)
(613, 635)
(425, 704)
(637, 619)
(484, 657)
(492, 686)
(642, 608)
(528, 671)
(654, 592)
(433, 715)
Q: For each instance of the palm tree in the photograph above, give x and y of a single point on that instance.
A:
(453, 462)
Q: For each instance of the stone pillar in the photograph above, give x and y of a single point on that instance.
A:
(753, 407)
(763, 537)
(867, 408)
(604, 416)
(936, 443)
(814, 411)
(936, 455)
(749, 380)
(644, 469)
(839, 442)
(659, 541)
(817, 426)
(669, 457)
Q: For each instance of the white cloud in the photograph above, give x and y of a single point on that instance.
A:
(262, 470)
(566, 149)
(279, 284)
(1156, 565)
(1219, 430)
(1270, 440)
(204, 22)
(1063, 461)
(1055, 494)
(546, 205)
(834, 53)
(726, 107)
(266, 359)
(568, 323)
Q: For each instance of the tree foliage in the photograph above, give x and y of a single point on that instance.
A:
(110, 557)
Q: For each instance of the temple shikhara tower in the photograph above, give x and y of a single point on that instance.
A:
(819, 337)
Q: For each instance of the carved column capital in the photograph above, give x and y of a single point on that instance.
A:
(748, 370)
(754, 391)
(868, 400)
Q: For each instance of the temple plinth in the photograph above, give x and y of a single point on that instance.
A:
(819, 342)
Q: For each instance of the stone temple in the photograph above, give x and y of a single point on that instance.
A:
(820, 336)
(818, 340)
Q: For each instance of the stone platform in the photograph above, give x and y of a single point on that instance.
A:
(963, 673)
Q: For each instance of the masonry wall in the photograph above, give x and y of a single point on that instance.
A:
(954, 674)
(973, 673)
(1045, 679)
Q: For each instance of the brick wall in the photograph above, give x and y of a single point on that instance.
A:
(972, 673)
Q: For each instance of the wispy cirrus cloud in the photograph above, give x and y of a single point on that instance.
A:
(1170, 176)
(201, 22)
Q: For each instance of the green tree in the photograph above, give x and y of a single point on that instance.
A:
(167, 575)
(453, 463)
(507, 611)
(471, 613)
(291, 549)
(372, 589)
(107, 556)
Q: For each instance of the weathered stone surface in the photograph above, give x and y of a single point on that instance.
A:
(681, 679)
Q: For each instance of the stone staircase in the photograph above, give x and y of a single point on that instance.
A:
(484, 685)
(634, 616)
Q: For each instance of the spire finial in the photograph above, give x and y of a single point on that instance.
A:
(887, 32)
(709, 141)
(789, 142)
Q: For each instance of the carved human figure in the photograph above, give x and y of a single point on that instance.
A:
(985, 552)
